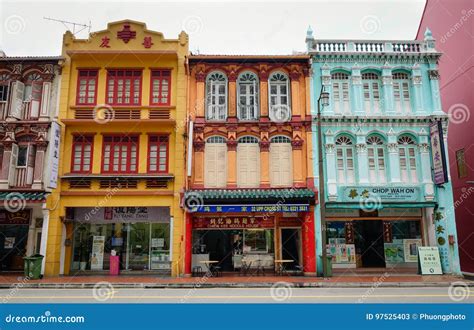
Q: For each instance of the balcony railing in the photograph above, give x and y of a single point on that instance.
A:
(216, 112)
(23, 177)
(247, 112)
(360, 46)
(127, 114)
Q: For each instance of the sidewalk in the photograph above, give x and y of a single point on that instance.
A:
(147, 281)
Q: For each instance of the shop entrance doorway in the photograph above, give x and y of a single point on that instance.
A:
(369, 242)
(290, 247)
(13, 239)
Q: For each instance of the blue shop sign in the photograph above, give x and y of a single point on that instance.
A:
(251, 208)
(382, 194)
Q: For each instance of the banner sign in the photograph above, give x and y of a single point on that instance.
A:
(232, 222)
(97, 260)
(251, 208)
(15, 218)
(430, 263)
(440, 174)
(382, 194)
(126, 214)
(54, 155)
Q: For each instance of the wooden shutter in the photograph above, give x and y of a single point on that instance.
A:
(30, 164)
(248, 163)
(46, 94)
(215, 160)
(13, 162)
(275, 164)
(221, 166)
(281, 171)
(18, 90)
(242, 165)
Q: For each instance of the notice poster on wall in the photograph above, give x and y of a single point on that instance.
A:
(9, 243)
(394, 252)
(97, 260)
(410, 247)
(342, 253)
(430, 262)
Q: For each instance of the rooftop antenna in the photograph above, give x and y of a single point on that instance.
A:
(80, 27)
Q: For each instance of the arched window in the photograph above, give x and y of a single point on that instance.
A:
(248, 162)
(247, 94)
(281, 171)
(345, 160)
(376, 153)
(216, 100)
(340, 92)
(279, 88)
(32, 95)
(371, 85)
(407, 156)
(401, 92)
(215, 160)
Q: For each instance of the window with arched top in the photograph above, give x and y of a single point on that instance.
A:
(248, 162)
(247, 95)
(216, 100)
(345, 160)
(376, 158)
(340, 92)
(215, 161)
(401, 92)
(407, 158)
(371, 86)
(281, 162)
(279, 91)
(32, 95)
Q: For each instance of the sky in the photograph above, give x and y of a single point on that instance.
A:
(219, 27)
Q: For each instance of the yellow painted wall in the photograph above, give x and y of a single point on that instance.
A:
(81, 53)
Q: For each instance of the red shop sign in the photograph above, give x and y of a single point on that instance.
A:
(15, 218)
(232, 222)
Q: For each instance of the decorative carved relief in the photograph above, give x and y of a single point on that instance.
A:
(264, 145)
(416, 80)
(329, 147)
(433, 74)
(424, 147)
(361, 148)
(199, 146)
(392, 147)
(231, 145)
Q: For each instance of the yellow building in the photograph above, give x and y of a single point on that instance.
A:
(122, 110)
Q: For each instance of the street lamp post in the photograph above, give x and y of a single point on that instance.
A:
(323, 101)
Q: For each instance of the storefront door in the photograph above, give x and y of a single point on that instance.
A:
(290, 246)
(13, 239)
(138, 246)
(369, 242)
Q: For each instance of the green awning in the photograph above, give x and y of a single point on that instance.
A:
(255, 195)
(39, 196)
(358, 206)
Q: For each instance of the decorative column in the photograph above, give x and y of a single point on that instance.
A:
(417, 90)
(263, 76)
(299, 177)
(232, 77)
(39, 165)
(200, 92)
(188, 244)
(307, 106)
(331, 175)
(362, 160)
(295, 93)
(357, 98)
(309, 244)
(264, 156)
(425, 162)
(393, 158)
(388, 105)
(199, 146)
(435, 96)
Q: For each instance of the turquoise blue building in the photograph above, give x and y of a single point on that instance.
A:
(386, 189)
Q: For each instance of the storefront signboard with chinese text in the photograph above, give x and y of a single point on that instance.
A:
(381, 194)
(232, 222)
(124, 214)
(251, 208)
(15, 218)
(430, 262)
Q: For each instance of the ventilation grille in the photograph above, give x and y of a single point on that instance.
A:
(156, 183)
(80, 184)
(84, 114)
(126, 114)
(159, 114)
(118, 183)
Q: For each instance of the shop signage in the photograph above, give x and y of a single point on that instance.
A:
(374, 195)
(401, 212)
(54, 155)
(232, 222)
(429, 260)
(290, 222)
(128, 214)
(97, 260)
(252, 208)
(440, 174)
(15, 218)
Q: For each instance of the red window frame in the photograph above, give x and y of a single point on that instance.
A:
(82, 140)
(117, 75)
(87, 75)
(160, 75)
(122, 141)
(158, 140)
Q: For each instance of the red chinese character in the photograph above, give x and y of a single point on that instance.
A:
(105, 42)
(147, 42)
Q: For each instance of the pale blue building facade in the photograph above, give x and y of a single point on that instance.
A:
(382, 200)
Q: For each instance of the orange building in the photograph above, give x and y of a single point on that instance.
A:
(250, 193)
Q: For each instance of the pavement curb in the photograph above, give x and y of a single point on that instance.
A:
(231, 285)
